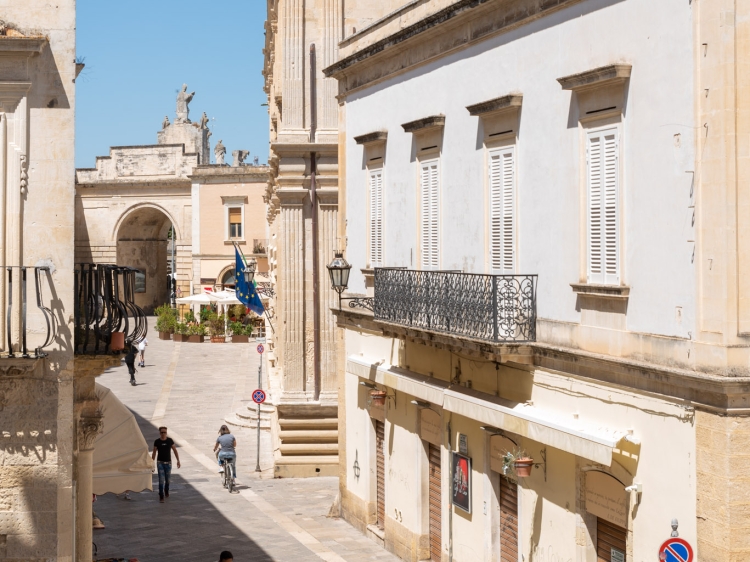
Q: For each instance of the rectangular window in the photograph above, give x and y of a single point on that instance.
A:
(502, 181)
(430, 209)
(235, 222)
(376, 218)
(603, 185)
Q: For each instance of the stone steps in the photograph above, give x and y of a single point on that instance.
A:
(305, 445)
(320, 436)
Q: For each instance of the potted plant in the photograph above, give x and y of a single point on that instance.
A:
(196, 333)
(240, 332)
(189, 317)
(517, 464)
(181, 332)
(166, 320)
(215, 325)
(378, 397)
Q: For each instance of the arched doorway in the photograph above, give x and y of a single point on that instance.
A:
(227, 280)
(142, 243)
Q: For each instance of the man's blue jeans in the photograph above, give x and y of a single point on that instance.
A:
(230, 459)
(165, 473)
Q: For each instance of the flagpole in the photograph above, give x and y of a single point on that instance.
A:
(237, 246)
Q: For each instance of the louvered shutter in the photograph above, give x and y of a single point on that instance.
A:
(376, 218)
(603, 207)
(502, 180)
(429, 188)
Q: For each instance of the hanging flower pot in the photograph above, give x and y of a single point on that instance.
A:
(378, 397)
(523, 466)
(117, 341)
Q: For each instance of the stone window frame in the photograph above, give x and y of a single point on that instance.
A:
(233, 203)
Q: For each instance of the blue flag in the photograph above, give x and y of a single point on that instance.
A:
(247, 295)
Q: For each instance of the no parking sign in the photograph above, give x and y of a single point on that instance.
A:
(676, 550)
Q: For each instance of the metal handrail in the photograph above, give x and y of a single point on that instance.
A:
(21, 345)
(497, 308)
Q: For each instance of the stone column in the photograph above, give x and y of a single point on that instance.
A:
(88, 428)
(294, 64)
(328, 237)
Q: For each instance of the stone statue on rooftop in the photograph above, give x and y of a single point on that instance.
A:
(219, 152)
(239, 157)
(183, 100)
(165, 123)
(255, 160)
(204, 121)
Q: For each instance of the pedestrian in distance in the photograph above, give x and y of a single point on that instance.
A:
(162, 453)
(130, 362)
(227, 453)
(142, 352)
(226, 556)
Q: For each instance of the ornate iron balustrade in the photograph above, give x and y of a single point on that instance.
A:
(496, 308)
(17, 312)
(105, 304)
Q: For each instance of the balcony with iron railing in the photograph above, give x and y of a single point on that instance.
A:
(105, 308)
(260, 246)
(490, 308)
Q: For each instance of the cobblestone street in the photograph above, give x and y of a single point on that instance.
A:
(191, 388)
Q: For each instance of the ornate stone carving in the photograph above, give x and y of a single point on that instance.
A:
(256, 160)
(238, 157)
(24, 174)
(219, 152)
(204, 121)
(183, 101)
(88, 428)
(165, 123)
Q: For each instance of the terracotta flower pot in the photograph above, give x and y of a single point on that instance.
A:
(164, 335)
(218, 339)
(523, 467)
(117, 341)
(240, 339)
(378, 397)
(181, 337)
(195, 339)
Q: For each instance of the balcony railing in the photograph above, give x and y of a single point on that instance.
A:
(260, 246)
(495, 308)
(105, 304)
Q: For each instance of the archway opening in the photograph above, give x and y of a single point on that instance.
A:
(143, 243)
(228, 280)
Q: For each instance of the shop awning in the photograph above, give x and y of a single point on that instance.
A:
(121, 457)
(590, 442)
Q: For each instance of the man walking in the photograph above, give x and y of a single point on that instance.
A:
(162, 452)
(130, 362)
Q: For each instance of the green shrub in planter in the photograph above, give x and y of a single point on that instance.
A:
(189, 316)
(166, 319)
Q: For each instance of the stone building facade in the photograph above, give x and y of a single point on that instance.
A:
(546, 202)
(128, 203)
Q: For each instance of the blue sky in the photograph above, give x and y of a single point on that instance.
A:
(139, 53)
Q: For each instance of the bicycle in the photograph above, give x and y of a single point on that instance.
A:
(228, 481)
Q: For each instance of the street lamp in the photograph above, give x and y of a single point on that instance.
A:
(339, 269)
(249, 270)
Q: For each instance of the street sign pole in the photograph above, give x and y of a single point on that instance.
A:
(260, 385)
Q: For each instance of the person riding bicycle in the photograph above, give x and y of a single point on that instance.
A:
(227, 453)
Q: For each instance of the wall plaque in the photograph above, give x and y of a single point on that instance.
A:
(429, 426)
(461, 481)
(499, 446)
(606, 498)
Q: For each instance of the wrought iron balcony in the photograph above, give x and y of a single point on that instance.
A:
(495, 308)
(16, 327)
(105, 304)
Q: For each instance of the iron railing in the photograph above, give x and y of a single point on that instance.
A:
(18, 312)
(105, 304)
(496, 308)
(260, 246)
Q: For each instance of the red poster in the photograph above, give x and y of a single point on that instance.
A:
(461, 482)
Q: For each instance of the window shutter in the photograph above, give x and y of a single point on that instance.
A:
(502, 170)
(376, 218)
(430, 215)
(603, 207)
(235, 215)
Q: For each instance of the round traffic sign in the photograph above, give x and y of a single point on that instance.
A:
(676, 550)
(259, 396)
(260, 348)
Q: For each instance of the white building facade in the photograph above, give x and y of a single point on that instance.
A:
(545, 201)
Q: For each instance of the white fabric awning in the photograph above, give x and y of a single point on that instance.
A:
(121, 457)
(543, 426)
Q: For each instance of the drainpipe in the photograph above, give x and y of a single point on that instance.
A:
(314, 211)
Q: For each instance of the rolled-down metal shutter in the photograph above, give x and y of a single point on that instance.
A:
(610, 541)
(435, 503)
(380, 471)
(508, 521)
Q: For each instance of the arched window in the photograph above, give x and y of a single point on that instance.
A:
(227, 279)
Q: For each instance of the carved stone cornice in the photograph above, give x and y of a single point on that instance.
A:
(93, 365)
(377, 136)
(602, 76)
(425, 123)
(22, 45)
(88, 428)
(18, 368)
(509, 102)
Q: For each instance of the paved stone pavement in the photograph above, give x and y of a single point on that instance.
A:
(190, 388)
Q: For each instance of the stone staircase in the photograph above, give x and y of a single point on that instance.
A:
(305, 442)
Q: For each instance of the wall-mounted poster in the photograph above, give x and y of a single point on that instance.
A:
(140, 281)
(461, 482)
